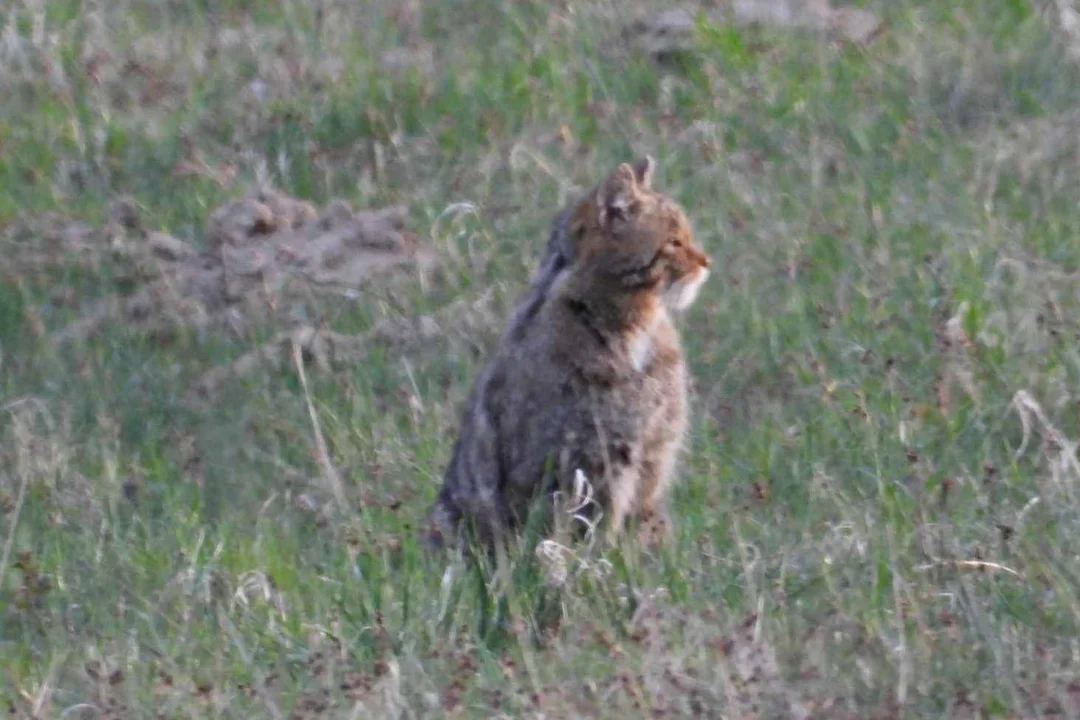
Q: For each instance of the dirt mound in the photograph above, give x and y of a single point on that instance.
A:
(268, 257)
(265, 251)
(674, 30)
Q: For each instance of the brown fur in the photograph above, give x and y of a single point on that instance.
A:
(590, 374)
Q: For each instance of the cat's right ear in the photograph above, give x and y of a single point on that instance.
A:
(643, 171)
(617, 193)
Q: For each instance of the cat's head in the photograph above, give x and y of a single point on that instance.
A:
(627, 233)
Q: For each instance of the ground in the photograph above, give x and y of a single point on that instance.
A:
(879, 505)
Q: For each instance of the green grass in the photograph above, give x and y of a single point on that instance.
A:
(894, 230)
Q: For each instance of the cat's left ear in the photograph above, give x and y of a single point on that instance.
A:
(618, 192)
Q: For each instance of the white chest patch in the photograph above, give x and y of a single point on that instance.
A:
(641, 350)
(640, 344)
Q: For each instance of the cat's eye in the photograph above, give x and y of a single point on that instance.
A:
(676, 242)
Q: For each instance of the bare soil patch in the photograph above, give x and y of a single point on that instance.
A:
(268, 254)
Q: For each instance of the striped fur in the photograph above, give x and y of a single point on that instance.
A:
(589, 374)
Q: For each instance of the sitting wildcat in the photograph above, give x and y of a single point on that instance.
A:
(590, 374)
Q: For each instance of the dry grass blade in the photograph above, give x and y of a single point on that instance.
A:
(330, 473)
(9, 542)
(24, 483)
(970, 564)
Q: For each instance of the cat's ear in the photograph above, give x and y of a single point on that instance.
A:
(643, 171)
(618, 192)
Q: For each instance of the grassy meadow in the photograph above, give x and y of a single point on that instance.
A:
(878, 512)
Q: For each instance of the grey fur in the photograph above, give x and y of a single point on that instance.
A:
(563, 392)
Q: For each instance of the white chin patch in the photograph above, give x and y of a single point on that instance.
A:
(682, 294)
